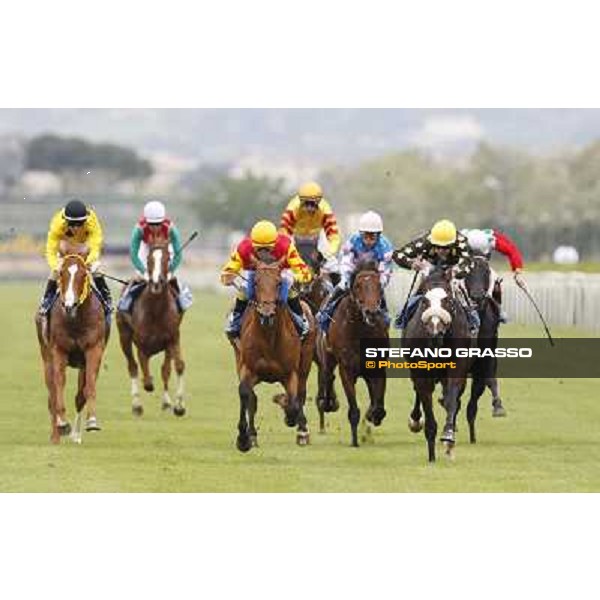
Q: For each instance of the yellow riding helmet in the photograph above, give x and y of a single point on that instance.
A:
(310, 191)
(443, 233)
(264, 233)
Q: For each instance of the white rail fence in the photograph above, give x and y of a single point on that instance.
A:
(565, 299)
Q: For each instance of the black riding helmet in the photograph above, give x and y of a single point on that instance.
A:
(76, 212)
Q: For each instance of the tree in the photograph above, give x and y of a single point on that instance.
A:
(237, 204)
(65, 156)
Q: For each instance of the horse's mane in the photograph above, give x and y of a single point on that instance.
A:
(366, 265)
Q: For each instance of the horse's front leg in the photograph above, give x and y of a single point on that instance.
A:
(292, 409)
(349, 383)
(179, 409)
(93, 358)
(451, 404)
(415, 420)
(246, 390)
(303, 434)
(144, 360)
(60, 425)
(376, 413)
(126, 341)
(424, 389)
(165, 372)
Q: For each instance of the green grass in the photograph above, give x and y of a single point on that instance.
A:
(550, 441)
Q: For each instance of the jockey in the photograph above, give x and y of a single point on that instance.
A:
(443, 247)
(368, 243)
(76, 224)
(305, 216)
(154, 223)
(264, 238)
(482, 242)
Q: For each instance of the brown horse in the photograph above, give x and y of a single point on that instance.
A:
(358, 316)
(314, 294)
(74, 335)
(153, 327)
(270, 350)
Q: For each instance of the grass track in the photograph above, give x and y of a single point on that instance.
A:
(550, 441)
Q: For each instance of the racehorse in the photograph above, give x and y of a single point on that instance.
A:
(479, 284)
(314, 294)
(358, 315)
(270, 350)
(438, 322)
(75, 334)
(153, 327)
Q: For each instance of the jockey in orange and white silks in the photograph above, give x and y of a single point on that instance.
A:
(264, 238)
(76, 224)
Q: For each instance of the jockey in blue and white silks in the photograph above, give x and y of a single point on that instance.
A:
(368, 244)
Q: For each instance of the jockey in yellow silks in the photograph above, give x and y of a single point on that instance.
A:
(78, 225)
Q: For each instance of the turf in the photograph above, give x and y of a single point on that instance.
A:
(550, 441)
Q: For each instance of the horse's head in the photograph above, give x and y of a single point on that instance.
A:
(266, 282)
(157, 265)
(437, 316)
(366, 291)
(478, 281)
(73, 282)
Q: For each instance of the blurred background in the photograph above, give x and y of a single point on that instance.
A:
(532, 173)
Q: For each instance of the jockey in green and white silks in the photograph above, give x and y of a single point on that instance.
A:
(154, 224)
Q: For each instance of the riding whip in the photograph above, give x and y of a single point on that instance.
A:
(113, 278)
(412, 285)
(539, 312)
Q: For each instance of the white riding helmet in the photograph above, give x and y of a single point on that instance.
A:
(479, 241)
(155, 212)
(370, 222)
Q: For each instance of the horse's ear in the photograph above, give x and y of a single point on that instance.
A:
(253, 260)
(281, 262)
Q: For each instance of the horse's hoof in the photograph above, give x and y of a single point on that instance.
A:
(376, 416)
(448, 437)
(498, 411)
(415, 426)
(281, 400)
(244, 443)
(303, 438)
(149, 387)
(137, 410)
(76, 439)
(64, 429)
(179, 411)
(166, 406)
(92, 425)
(328, 405)
(449, 450)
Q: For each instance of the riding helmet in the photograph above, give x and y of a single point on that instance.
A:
(76, 211)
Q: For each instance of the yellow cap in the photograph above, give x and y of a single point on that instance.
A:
(310, 190)
(264, 233)
(443, 233)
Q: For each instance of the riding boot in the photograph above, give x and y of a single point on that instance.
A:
(104, 290)
(234, 324)
(474, 320)
(294, 304)
(325, 316)
(48, 297)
